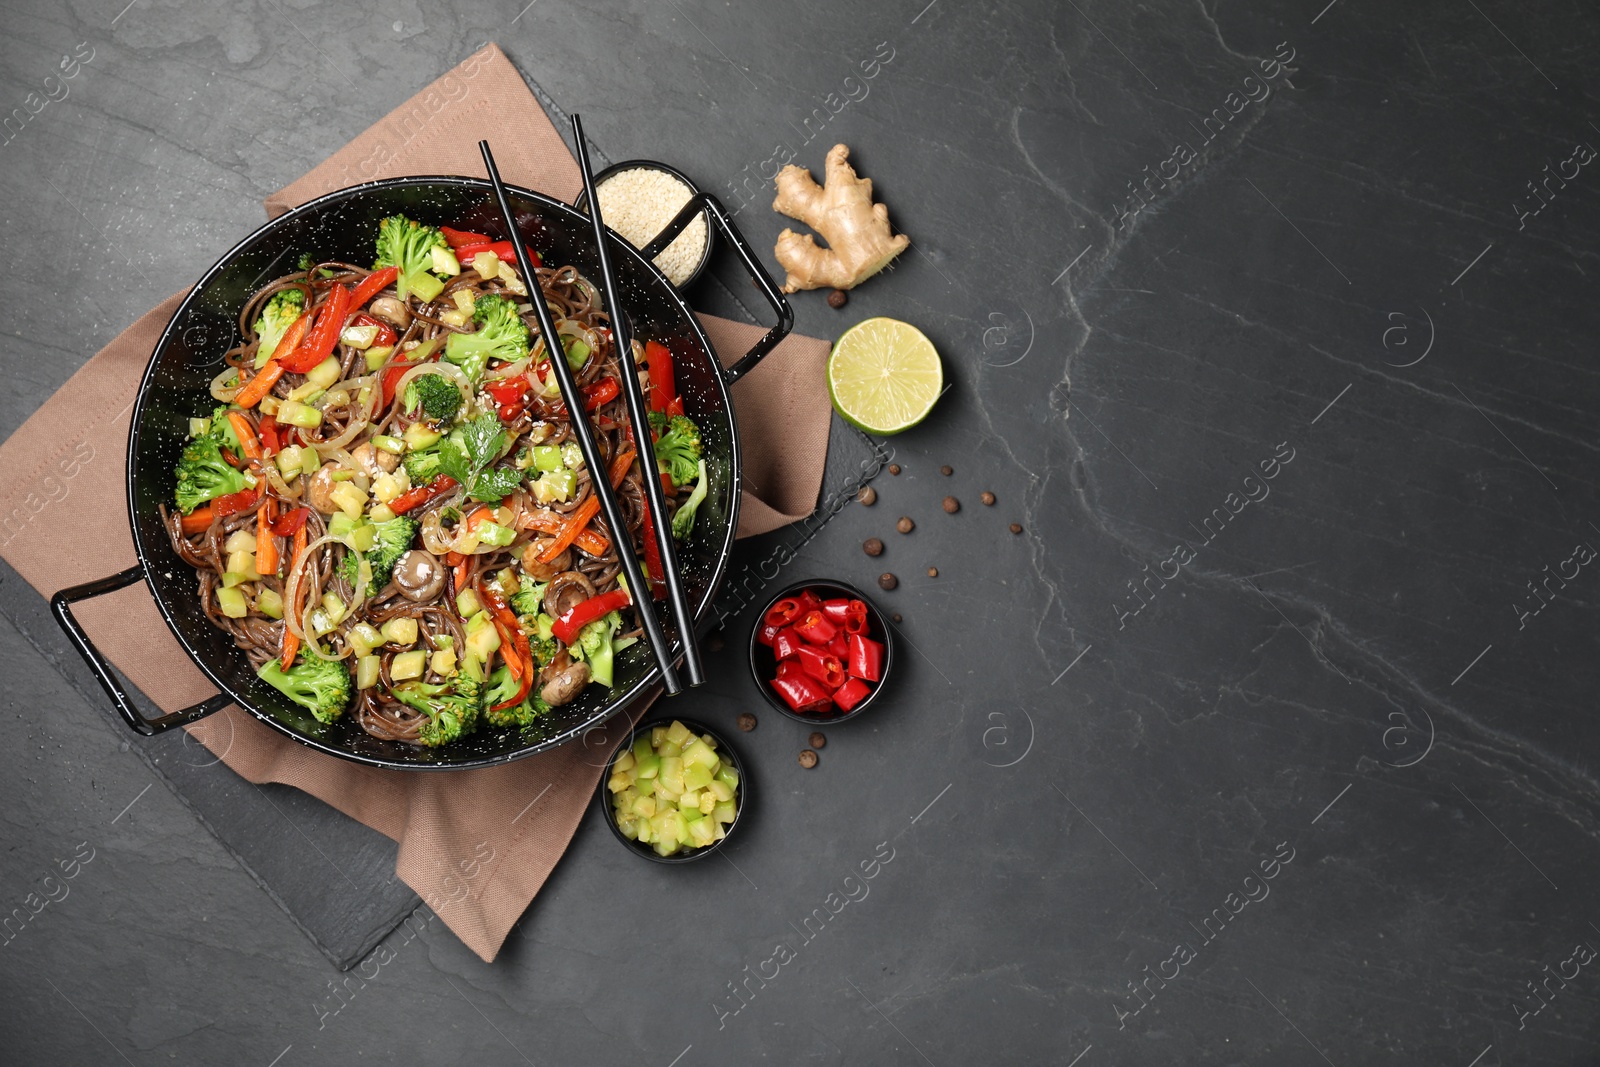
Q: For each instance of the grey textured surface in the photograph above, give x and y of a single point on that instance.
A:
(1350, 671)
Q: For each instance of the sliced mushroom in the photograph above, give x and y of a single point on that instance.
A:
(563, 680)
(419, 575)
(374, 461)
(543, 572)
(392, 309)
(319, 491)
(567, 590)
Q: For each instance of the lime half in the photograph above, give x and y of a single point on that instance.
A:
(884, 376)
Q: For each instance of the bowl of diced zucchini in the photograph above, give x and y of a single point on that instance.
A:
(674, 791)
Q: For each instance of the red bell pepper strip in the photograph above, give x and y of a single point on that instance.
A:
(821, 665)
(663, 390)
(292, 522)
(457, 238)
(268, 432)
(422, 494)
(234, 503)
(866, 658)
(675, 407)
(392, 373)
(513, 645)
(783, 612)
(815, 628)
(502, 249)
(851, 693)
(372, 285)
(766, 632)
(802, 693)
(601, 392)
(321, 338)
(785, 643)
(578, 616)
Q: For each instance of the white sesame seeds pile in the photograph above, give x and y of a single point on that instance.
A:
(638, 204)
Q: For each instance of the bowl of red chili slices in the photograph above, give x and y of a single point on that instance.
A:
(821, 652)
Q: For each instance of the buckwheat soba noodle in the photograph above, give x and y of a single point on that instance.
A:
(387, 509)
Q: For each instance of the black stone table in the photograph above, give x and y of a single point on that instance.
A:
(1270, 738)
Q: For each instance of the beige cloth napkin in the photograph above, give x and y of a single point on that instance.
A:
(477, 845)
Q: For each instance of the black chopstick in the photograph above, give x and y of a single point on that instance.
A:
(599, 473)
(655, 499)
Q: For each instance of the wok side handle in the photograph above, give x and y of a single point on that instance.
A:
(752, 265)
(61, 607)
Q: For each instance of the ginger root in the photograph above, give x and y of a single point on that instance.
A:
(842, 211)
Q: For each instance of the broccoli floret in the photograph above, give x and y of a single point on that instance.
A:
(280, 313)
(222, 429)
(436, 395)
(544, 650)
(391, 541)
(683, 518)
(594, 646)
(452, 709)
(409, 246)
(526, 601)
(501, 688)
(423, 467)
(501, 335)
(658, 421)
(204, 475)
(322, 686)
(679, 449)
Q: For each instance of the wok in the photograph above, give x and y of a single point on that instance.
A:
(342, 226)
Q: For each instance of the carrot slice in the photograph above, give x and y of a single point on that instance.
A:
(266, 543)
(198, 521)
(573, 527)
(291, 643)
(246, 434)
(260, 385)
(548, 522)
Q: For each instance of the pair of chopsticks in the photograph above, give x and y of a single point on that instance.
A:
(655, 500)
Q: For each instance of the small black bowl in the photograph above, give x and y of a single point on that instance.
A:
(764, 665)
(729, 756)
(581, 202)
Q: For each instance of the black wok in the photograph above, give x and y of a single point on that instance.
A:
(341, 226)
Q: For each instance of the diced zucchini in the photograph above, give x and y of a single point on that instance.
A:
(240, 541)
(241, 562)
(295, 413)
(378, 355)
(408, 665)
(427, 287)
(467, 603)
(386, 487)
(443, 662)
(483, 644)
(232, 603)
(368, 671)
(290, 459)
(359, 336)
(270, 603)
(198, 427)
(492, 533)
(625, 762)
(698, 753)
(617, 783)
(724, 811)
(547, 457)
(487, 264)
(419, 435)
(695, 777)
(678, 733)
(389, 444)
(401, 631)
(645, 806)
(463, 299)
(335, 607)
(721, 790)
(233, 578)
(444, 262)
(364, 637)
(555, 487)
(349, 498)
(382, 513)
(455, 317)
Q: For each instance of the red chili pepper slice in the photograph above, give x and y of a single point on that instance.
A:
(502, 249)
(291, 523)
(808, 600)
(783, 612)
(785, 643)
(764, 634)
(866, 658)
(824, 667)
(422, 494)
(578, 616)
(802, 693)
(815, 628)
(663, 388)
(787, 667)
(839, 647)
(372, 285)
(851, 693)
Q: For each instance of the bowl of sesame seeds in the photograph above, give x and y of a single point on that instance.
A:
(638, 198)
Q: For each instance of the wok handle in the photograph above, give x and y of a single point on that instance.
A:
(752, 265)
(61, 606)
